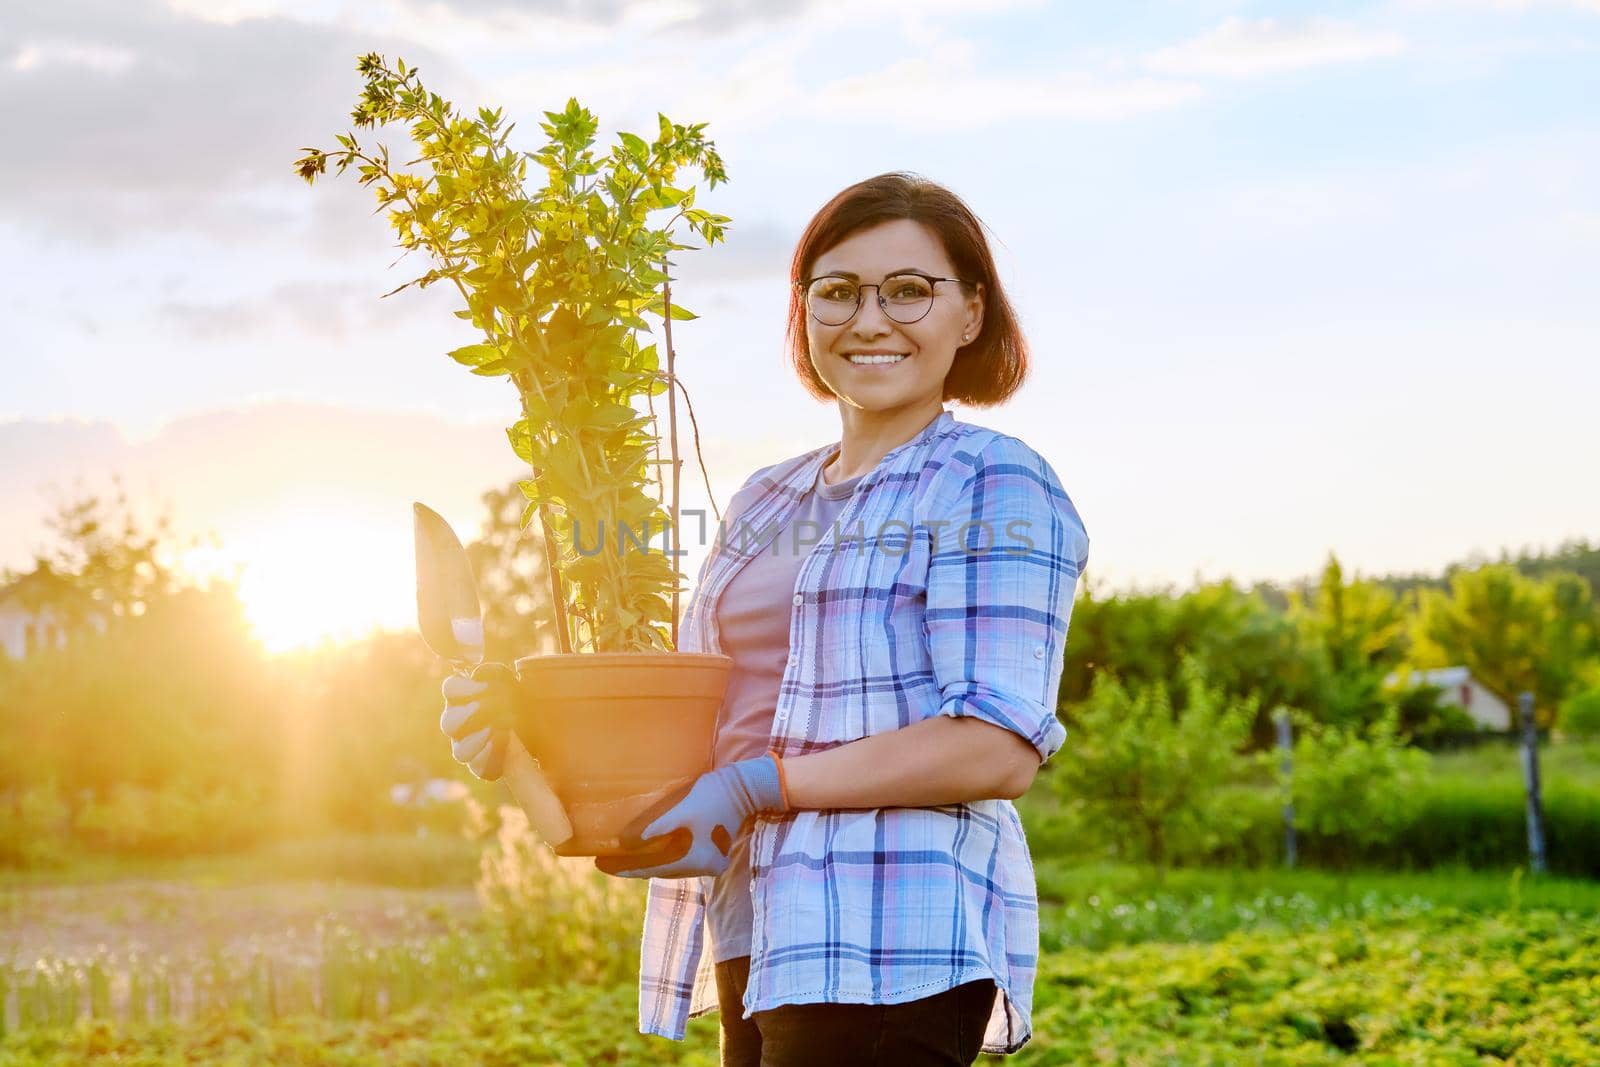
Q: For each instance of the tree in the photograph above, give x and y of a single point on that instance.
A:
(1149, 778)
(1580, 714)
(104, 563)
(1360, 625)
(1241, 646)
(1571, 637)
(1352, 634)
(1360, 785)
(1513, 633)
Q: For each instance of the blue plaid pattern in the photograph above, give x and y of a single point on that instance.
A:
(945, 588)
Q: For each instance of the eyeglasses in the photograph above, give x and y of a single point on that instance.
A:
(833, 299)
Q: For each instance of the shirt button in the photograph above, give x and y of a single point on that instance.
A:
(799, 598)
(1038, 652)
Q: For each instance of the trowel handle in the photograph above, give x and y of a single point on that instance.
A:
(528, 785)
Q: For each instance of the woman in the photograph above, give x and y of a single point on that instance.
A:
(896, 605)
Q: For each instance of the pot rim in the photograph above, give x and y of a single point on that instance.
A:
(694, 659)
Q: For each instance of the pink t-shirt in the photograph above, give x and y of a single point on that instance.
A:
(753, 624)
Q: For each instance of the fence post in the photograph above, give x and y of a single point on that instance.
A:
(1286, 746)
(1530, 776)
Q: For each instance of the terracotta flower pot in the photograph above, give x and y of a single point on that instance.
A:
(616, 732)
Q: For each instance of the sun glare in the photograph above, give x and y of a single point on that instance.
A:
(306, 579)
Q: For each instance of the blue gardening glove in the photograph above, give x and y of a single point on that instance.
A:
(706, 820)
(477, 717)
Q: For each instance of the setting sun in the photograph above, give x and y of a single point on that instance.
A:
(306, 578)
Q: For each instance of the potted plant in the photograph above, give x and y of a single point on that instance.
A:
(559, 281)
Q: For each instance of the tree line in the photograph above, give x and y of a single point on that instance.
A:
(161, 726)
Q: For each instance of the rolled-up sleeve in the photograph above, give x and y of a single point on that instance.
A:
(1002, 568)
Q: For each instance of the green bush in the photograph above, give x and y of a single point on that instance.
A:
(1410, 986)
(1145, 780)
(1478, 825)
(177, 820)
(1580, 715)
(1354, 786)
(1426, 721)
(1415, 988)
(35, 827)
(1488, 828)
(555, 914)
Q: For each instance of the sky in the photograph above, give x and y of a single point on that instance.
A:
(1297, 279)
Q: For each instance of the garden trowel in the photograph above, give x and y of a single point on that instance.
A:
(451, 621)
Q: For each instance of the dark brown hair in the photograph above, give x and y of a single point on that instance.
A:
(987, 370)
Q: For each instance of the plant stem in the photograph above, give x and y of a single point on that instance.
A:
(705, 477)
(672, 422)
(557, 590)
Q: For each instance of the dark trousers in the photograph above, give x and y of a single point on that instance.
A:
(944, 1029)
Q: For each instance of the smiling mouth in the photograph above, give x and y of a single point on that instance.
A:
(885, 360)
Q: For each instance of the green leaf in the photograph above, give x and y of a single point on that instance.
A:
(475, 355)
(521, 440)
(557, 261)
(610, 416)
(656, 608)
(678, 310)
(637, 149)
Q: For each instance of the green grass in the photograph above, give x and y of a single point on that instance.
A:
(1428, 986)
(401, 860)
(1224, 966)
(558, 1024)
(1101, 905)
(1086, 909)
(1470, 815)
(1573, 763)
(1062, 881)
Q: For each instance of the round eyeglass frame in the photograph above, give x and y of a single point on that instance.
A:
(804, 285)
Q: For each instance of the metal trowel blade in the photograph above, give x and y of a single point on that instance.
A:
(448, 613)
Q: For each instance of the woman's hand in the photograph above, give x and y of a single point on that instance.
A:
(477, 719)
(707, 819)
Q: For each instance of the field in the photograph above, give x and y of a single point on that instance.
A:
(355, 951)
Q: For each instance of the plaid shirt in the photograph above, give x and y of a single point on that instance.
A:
(894, 619)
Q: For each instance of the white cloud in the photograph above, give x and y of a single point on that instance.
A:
(918, 94)
(947, 84)
(1241, 48)
(228, 12)
(325, 309)
(1516, 5)
(168, 120)
(98, 58)
(1580, 225)
(597, 21)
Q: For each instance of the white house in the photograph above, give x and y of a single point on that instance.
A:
(1465, 692)
(23, 630)
(28, 622)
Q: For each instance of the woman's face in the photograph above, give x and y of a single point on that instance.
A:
(929, 344)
